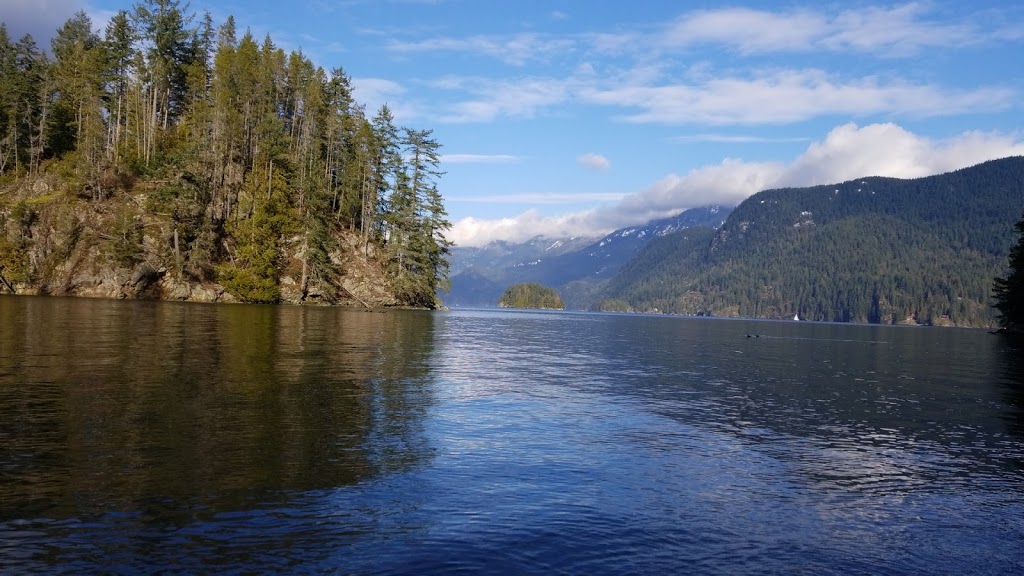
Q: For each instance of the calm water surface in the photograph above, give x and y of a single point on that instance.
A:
(142, 437)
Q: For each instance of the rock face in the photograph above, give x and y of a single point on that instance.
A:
(70, 255)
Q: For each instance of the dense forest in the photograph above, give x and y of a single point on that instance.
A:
(878, 250)
(530, 295)
(1008, 290)
(167, 147)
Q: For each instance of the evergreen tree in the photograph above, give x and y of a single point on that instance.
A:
(118, 41)
(164, 26)
(79, 70)
(417, 223)
(531, 295)
(8, 103)
(387, 162)
(259, 163)
(1009, 290)
(34, 93)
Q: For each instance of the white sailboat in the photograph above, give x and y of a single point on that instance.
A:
(796, 317)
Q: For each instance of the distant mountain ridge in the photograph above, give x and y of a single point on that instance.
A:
(480, 275)
(880, 250)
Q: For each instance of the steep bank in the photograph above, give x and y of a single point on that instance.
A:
(55, 242)
(218, 167)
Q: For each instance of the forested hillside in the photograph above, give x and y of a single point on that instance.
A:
(877, 250)
(578, 267)
(168, 157)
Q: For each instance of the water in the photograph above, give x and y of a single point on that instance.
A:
(144, 437)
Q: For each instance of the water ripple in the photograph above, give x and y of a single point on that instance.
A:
(252, 439)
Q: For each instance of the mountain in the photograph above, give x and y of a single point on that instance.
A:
(879, 250)
(480, 275)
(498, 255)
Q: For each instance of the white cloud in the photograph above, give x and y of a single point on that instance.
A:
(890, 31)
(846, 152)
(375, 88)
(373, 93)
(635, 70)
(746, 29)
(895, 31)
(849, 152)
(594, 161)
(774, 96)
(539, 198)
(479, 159)
(782, 96)
(516, 98)
(477, 232)
(516, 50)
(737, 139)
(884, 31)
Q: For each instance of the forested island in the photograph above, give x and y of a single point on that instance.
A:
(531, 295)
(169, 158)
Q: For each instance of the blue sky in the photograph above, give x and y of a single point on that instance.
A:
(571, 117)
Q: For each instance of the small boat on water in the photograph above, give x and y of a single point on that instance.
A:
(796, 317)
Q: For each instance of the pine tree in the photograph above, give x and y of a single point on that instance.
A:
(164, 26)
(387, 162)
(260, 163)
(1009, 290)
(35, 94)
(77, 81)
(118, 40)
(417, 223)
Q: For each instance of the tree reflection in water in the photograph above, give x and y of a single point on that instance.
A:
(220, 406)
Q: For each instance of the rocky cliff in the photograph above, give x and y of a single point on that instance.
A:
(54, 241)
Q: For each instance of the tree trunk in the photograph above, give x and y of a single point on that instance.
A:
(304, 282)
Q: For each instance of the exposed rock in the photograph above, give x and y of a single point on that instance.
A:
(175, 289)
(74, 251)
(206, 293)
(143, 275)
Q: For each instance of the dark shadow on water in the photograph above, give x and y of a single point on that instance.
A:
(172, 412)
(1011, 356)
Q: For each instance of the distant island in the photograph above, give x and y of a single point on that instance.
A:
(531, 295)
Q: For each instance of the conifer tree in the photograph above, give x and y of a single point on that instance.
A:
(261, 161)
(118, 41)
(1009, 290)
(417, 222)
(35, 99)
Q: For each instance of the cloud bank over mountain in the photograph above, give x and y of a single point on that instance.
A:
(848, 151)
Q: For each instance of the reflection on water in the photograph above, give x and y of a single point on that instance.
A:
(113, 406)
(137, 436)
(1011, 356)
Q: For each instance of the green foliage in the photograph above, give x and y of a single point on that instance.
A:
(24, 215)
(416, 222)
(613, 305)
(876, 250)
(257, 258)
(531, 295)
(1008, 291)
(126, 239)
(252, 163)
(14, 261)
